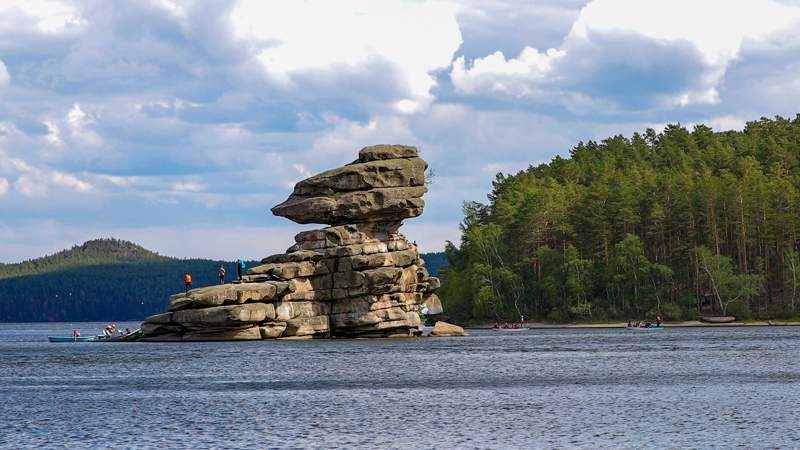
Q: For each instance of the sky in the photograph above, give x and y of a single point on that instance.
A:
(179, 124)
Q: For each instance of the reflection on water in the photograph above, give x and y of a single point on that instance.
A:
(731, 387)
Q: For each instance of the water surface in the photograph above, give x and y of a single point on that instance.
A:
(700, 388)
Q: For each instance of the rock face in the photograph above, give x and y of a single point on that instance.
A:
(447, 329)
(359, 277)
(384, 185)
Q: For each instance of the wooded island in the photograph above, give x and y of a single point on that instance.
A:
(682, 222)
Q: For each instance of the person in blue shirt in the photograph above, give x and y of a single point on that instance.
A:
(240, 265)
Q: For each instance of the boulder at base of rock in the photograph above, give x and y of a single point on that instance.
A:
(447, 329)
(432, 305)
(272, 330)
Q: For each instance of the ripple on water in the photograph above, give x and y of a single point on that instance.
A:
(699, 388)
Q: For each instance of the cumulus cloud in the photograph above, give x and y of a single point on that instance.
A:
(3, 186)
(79, 123)
(515, 76)
(413, 39)
(635, 54)
(46, 16)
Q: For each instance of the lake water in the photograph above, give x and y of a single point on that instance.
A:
(700, 388)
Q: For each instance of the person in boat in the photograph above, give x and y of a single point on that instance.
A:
(221, 273)
(127, 331)
(107, 331)
(658, 320)
(187, 279)
(76, 333)
(496, 325)
(629, 325)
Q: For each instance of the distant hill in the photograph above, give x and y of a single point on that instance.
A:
(91, 253)
(105, 280)
(434, 262)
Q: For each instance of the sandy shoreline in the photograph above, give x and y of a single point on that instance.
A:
(683, 324)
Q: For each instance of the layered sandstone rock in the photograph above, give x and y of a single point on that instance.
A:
(359, 277)
(447, 329)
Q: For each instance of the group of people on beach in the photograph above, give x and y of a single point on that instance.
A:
(506, 325)
(240, 266)
(645, 323)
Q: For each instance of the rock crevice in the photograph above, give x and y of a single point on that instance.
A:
(358, 277)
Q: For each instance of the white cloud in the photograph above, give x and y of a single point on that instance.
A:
(727, 122)
(514, 76)
(415, 38)
(4, 186)
(604, 37)
(35, 181)
(5, 78)
(716, 27)
(29, 186)
(79, 123)
(189, 187)
(53, 135)
(46, 16)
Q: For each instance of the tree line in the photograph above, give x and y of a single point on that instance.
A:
(682, 223)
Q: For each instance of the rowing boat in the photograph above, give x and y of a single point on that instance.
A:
(69, 339)
(653, 328)
(511, 329)
(132, 336)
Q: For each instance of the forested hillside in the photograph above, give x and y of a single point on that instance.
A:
(434, 262)
(683, 222)
(103, 280)
(102, 292)
(94, 252)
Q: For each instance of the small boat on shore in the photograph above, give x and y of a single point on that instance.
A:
(718, 319)
(69, 339)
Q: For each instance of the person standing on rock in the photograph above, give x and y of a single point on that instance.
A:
(188, 280)
(221, 273)
(240, 265)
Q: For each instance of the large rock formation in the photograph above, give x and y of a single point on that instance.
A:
(358, 277)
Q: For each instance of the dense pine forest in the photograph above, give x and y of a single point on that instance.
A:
(682, 222)
(106, 280)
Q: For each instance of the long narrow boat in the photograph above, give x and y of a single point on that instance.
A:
(652, 328)
(70, 339)
(511, 329)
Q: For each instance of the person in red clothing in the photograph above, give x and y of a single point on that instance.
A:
(188, 280)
